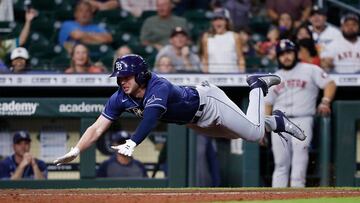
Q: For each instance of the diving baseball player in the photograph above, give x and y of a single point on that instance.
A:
(296, 95)
(204, 108)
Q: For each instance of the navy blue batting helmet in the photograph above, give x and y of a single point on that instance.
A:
(285, 45)
(131, 64)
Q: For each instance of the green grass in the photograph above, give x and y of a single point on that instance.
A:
(312, 200)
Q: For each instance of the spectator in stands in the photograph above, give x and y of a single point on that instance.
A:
(239, 9)
(157, 29)
(22, 164)
(267, 48)
(248, 48)
(180, 53)
(303, 32)
(6, 10)
(102, 5)
(164, 65)
(137, 7)
(120, 165)
(221, 47)
(286, 26)
(342, 54)
(81, 30)
(19, 61)
(81, 62)
(307, 51)
(323, 33)
(3, 67)
(6, 46)
(299, 10)
(122, 51)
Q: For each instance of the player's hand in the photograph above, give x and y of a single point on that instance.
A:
(71, 155)
(324, 109)
(126, 149)
(26, 160)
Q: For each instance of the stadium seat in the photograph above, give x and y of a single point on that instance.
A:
(111, 16)
(42, 5)
(98, 51)
(253, 64)
(197, 15)
(259, 24)
(43, 25)
(38, 44)
(60, 63)
(107, 61)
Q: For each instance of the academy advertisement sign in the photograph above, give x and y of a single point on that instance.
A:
(52, 107)
(14, 108)
(79, 108)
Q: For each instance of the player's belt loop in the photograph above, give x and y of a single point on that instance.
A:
(198, 114)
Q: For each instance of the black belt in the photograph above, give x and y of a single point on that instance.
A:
(198, 114)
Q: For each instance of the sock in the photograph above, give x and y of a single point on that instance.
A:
(270, 123)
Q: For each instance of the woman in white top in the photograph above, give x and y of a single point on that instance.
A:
(221, 48)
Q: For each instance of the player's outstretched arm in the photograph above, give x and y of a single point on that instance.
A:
(90, 136)
(149, 121)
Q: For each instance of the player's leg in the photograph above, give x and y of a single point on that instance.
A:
(251, 126)
(280, 123)
(301, 153)
(282, 160)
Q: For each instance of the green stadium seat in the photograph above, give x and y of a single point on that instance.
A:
(42, 5)
(112, 16)
(38, 44)
(253, 64)
(197, 15)
(60, 63)
(44, 25)
(98, 51)
(131, 25)
(259, 24)
(107, 60)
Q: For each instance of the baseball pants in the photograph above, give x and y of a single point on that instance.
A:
(221, 117)
(292, 155)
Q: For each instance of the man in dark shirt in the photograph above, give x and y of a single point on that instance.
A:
(120, 165)
(22, 164)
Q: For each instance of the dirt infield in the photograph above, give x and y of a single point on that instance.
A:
(168, 195)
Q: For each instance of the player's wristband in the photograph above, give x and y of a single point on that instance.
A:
(326, 101)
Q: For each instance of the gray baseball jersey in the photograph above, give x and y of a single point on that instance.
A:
(296, 94)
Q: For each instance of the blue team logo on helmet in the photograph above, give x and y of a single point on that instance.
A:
(127, 65)
(285, 45)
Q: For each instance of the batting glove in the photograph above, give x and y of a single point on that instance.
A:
(71, 155)
(126, 149)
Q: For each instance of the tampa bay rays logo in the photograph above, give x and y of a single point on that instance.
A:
(137, 111)
(152, 99)
(119, 65)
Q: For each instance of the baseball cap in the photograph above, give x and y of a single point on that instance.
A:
(120, 136)
(220, 13)
(317, 10)
(349, 16)
(178, 30)
(21, 135)
(19, 52)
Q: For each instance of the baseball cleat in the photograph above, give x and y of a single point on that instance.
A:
(283, 124)
(263, 81)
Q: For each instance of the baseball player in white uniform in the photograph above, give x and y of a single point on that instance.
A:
(296, 95)
(343, 54)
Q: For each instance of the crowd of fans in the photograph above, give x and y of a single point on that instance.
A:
(214, 36)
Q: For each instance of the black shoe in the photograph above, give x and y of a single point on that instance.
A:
(263, 81)
(283, 124)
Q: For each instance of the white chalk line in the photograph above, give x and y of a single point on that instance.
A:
(186, 193)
